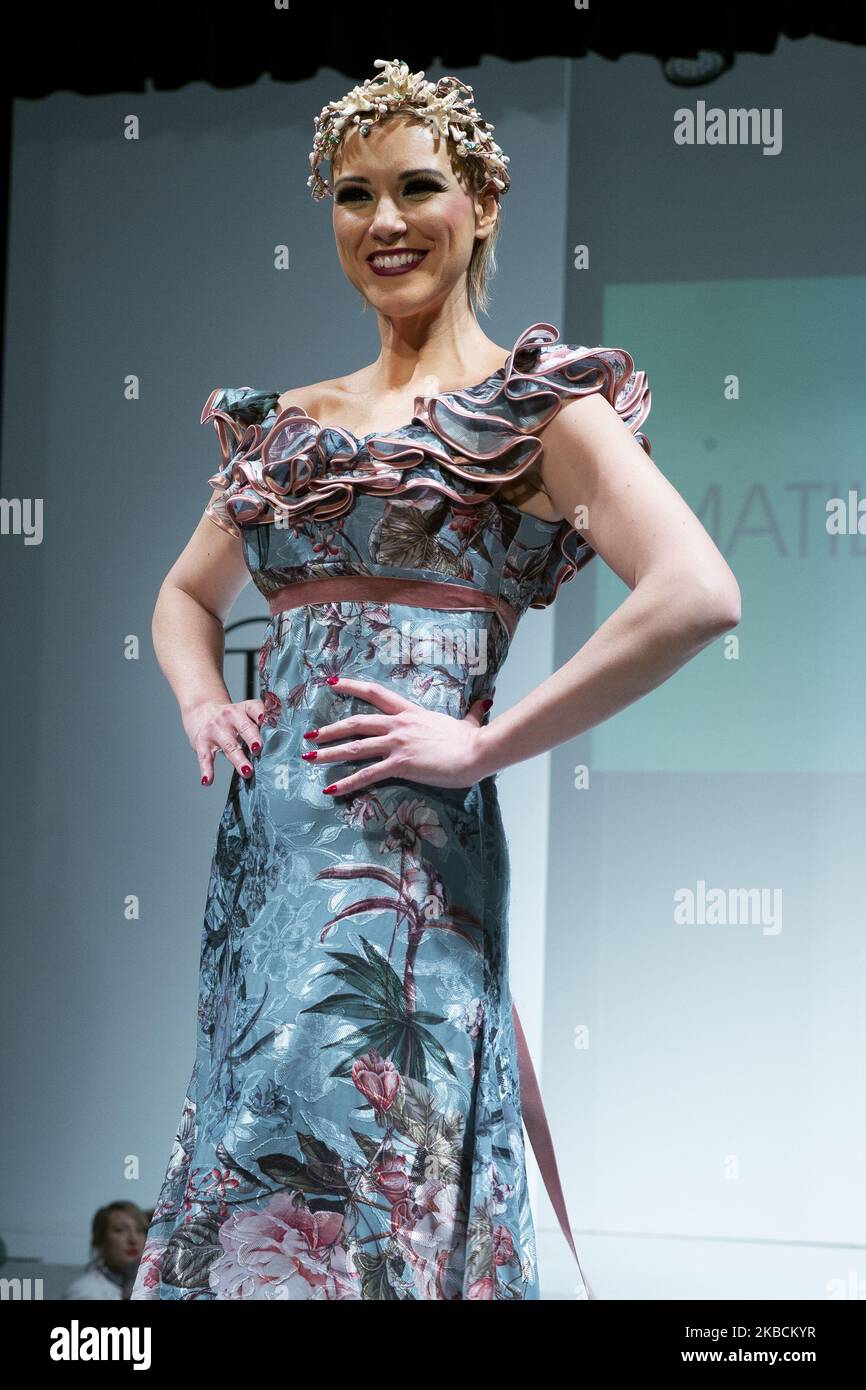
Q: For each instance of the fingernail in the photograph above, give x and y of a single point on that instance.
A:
(308, 757)
(204, 781)
(246, 769)
(485, 704)
(332, 680)
(331, 788)
(255, 747)
(260, 717)
(311, 733)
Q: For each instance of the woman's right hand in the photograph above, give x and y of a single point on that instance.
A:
(218, 726)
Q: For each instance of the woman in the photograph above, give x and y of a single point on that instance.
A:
(352, 1127)
(117, 1239)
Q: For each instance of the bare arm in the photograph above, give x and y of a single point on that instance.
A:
(194, 600)
(683, 596)
(196, 597)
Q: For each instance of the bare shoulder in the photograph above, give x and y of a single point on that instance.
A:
(319, 394)
(305, 396)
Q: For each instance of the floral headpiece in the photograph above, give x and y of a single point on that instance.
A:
(447, 105)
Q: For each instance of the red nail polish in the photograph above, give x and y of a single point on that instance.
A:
(331, 788)
(332, 680)
(311, 733)
(204, 781)
(246, 769)
(308, 757)
(485, 704)
(255, 747)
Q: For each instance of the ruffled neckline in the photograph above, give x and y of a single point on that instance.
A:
(464, 444)
(416, 419)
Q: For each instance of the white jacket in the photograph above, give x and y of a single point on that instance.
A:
(96, 1283)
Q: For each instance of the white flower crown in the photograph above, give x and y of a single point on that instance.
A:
(447, 104)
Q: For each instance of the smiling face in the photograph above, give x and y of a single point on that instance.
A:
(399, 190)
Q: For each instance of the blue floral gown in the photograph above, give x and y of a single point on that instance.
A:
(352, 1126)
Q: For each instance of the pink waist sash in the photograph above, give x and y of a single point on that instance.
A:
(384, 588)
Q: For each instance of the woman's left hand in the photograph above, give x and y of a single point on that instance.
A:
(411, 742)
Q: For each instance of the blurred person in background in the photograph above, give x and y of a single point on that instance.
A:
(117, 1239)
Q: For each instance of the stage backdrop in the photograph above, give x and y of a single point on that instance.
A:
(716, 1128)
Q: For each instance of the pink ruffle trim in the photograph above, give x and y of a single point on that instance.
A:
(488, 436)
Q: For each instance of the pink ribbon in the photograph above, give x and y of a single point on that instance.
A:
(538, 1130)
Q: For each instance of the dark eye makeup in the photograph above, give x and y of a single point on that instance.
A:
(351, 193)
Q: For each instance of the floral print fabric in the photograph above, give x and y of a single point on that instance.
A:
(352, 1124)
